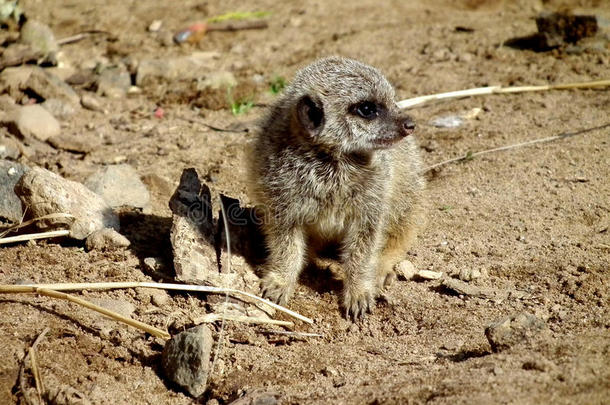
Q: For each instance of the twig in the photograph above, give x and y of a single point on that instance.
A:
(292, 333)
(4, 288)
(237, 25)
(80, 36)
(32, 236)
(37, 380)
(411, 102)
(469, 155)
(31, 221)
(36, 373)
(212, 127)
(210, 318)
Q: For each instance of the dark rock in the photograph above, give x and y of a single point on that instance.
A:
(10, 204)
(106, 239)
(186, 359)
(44, 192)
(119, 185)
(516, 329)
(556, 30)
(560, 28)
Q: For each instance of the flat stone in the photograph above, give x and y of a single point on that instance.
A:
(119, 185)
(186, 359)
(106, 239)
(90, 102)
(33, 121)
(514, 330)
(10, 205)
(81, 143)
(192, 233)
(44, 192)
(46, 86)
(170, 69)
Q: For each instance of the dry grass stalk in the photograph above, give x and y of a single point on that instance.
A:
(44, 290)
(32, 236)
(472, 155)
(210, 318)
(22, 224)
(412, 102)
(135, 284)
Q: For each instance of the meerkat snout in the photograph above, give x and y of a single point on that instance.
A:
(408, 126)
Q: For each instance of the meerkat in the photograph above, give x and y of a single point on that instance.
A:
(334, 164)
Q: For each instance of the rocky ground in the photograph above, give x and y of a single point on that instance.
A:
(508, 299)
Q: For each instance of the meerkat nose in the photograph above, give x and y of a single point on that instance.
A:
(408, 126)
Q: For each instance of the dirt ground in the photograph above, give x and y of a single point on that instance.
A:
(534, 220)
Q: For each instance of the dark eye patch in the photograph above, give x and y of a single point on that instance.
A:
(367, 110)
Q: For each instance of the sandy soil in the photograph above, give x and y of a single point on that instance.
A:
(534, 220)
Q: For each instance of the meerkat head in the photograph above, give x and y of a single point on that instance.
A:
(345, 104)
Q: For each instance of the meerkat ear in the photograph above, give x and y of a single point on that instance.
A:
(311, 115)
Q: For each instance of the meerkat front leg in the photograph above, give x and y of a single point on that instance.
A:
(360, 255)
(286, 260)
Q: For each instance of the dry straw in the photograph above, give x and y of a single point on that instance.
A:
(479, 91)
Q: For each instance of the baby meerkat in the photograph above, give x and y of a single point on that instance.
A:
(333, 164)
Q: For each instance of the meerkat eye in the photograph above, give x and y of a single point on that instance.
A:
(367, 110)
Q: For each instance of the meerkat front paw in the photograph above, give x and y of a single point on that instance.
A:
(358, 300)
(276, 288)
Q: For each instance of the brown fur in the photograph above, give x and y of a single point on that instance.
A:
(326, 174)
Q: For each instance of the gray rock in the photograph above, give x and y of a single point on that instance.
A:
(44, 192)
(106, 239)
(258, 397)
(13, 78)
(10, 204)
(186, 359)
(119, 185)
(192, 232)
(9, 148)
(33, 121)
(83, 143)
(40, 38)
(48, 86)
(170, 69)
(516, 329)
(114, 83)
(59, 108)
(90, 102)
